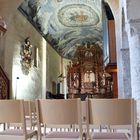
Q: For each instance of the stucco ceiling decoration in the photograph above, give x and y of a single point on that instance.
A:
(66, 24)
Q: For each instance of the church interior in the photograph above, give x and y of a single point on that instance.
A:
(72, 51)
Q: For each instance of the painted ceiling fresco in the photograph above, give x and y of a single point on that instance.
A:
(66, 24)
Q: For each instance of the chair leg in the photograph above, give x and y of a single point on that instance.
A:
(36, 137)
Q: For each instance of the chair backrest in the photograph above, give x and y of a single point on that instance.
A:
(59, 111)
(30, 108)
(27, 107)
(30, 113)
(138, 110)
(112, 111)
(84, 111)
(12, 111)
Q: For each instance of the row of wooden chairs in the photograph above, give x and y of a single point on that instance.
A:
(113, 113)
(78, 116)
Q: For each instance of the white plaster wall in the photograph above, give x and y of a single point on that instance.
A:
(18, 28)
(27, 86)
(53, 67)
(132, 8)
(7, 10)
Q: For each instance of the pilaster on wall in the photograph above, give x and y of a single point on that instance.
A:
(125, 62)
(132, 28)
(126, 78)
(134, 45)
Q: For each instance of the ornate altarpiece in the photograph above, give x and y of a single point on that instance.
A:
(86, 73)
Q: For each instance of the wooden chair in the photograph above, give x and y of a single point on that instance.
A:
(30, 116)
(13, 111)
(112, 112)
(59, 112)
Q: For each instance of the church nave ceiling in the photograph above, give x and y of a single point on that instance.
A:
(66, 24)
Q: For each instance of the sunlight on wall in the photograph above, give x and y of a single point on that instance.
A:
(16, 73)
(15, 81)
(25, 86)
(19, 82)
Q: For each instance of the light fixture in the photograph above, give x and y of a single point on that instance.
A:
(61, 77)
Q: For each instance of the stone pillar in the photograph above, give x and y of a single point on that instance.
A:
(125, 66)
(126, 76)
(131, 25)
(134, 45)
(123, 56)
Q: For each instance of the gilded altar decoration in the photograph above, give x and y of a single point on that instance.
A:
(26, 56)
(86, 74)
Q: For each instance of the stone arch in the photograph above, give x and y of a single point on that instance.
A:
(108, 10)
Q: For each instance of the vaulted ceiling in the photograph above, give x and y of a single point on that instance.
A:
(66, 24)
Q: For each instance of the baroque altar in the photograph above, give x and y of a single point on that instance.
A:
(86, 74)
